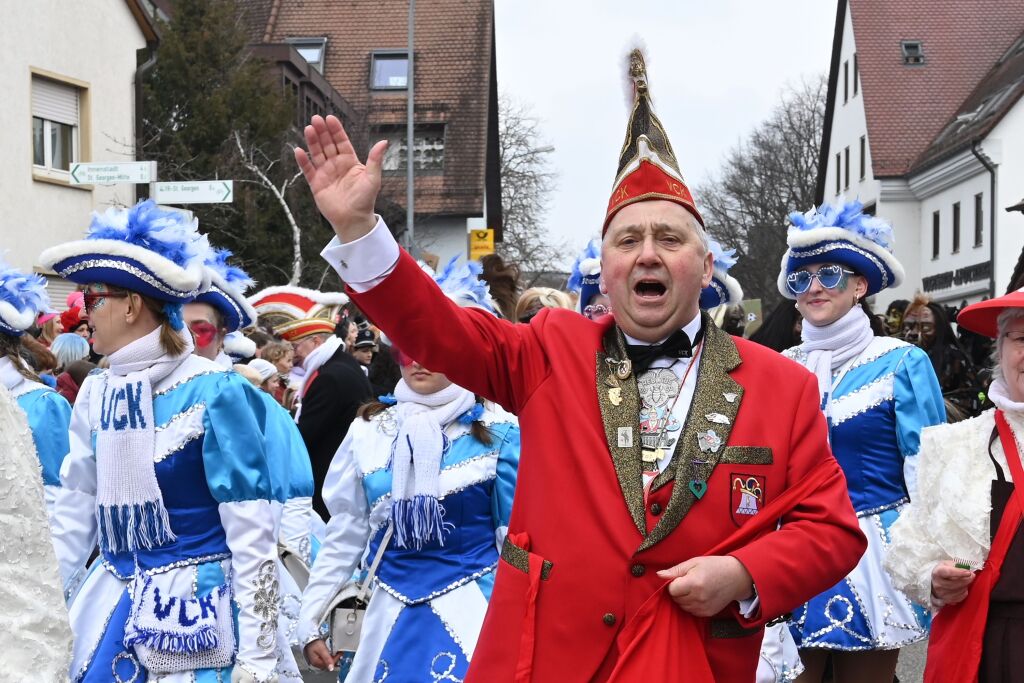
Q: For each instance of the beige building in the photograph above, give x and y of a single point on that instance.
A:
(68, 84)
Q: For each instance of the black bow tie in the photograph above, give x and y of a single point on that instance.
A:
(676, 346)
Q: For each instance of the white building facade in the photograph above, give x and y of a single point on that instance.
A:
(942, 209)
(68, 80)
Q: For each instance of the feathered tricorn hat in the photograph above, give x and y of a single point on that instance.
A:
(22, 298)
(647, 165)
(145, 249)
(226, 292)
(461, 282)
(841, 233)
(724, 288)
(585, 277)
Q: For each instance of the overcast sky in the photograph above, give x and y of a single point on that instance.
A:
(715, 67)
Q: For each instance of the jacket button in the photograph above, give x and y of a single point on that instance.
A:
(655, 509)
(608, 619)
(638, 570)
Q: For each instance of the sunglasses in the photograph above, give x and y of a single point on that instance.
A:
(596, 311)
(828, 277)
(91, 298)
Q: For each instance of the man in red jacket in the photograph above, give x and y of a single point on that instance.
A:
(648, 437)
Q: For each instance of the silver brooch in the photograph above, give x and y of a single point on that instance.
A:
(717, 418)
(709, 441)
(729, 396)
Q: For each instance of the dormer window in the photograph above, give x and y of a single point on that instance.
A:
(312, 50)
(913, 52)
(389, 70)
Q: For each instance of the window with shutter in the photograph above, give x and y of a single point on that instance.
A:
(55, 124)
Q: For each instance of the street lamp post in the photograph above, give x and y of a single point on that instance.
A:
(410, 136)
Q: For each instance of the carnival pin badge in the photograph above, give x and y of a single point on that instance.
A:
(709, 441)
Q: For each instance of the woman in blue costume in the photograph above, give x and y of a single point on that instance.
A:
(168, 471)
(22, 298)
(429, 475)
(877, 394)
(212, 316)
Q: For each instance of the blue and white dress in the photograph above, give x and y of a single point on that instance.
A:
(49, 415)
(879, 407)
(427, 605)
(220, 484)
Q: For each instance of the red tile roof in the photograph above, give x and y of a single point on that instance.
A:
(907, 107)
(454, 76)
(994, 97)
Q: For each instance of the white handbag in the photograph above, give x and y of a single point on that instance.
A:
(346, 611)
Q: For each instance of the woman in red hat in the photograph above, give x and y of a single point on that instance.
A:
(959, 546)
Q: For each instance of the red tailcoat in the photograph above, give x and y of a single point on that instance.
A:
(579, 502)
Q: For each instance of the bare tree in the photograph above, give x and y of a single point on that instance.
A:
(249, 158)
(526, 184)
(763, 178)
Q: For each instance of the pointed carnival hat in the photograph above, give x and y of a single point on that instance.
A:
(226, 292)
(585, 278)
(841, 233)
(724, 288)
(146, 249)
(647, 165)
(22, 298)
(297, 312)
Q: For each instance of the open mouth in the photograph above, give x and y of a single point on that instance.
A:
(649, 289)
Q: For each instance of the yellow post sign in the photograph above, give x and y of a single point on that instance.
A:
(481, 243)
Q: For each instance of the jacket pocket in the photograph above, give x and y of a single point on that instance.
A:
(519, 556)
(748, 455)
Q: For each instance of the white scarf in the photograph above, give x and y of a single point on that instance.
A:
(832, 346)
(416, 513)
(129, 504)
(1000, 396)
(312, 363)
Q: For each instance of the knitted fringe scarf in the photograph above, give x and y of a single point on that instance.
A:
(129, 505)
(416, 512)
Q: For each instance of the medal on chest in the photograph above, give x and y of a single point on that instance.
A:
(659, 390)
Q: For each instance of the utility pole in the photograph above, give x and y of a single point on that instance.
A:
(410, 137)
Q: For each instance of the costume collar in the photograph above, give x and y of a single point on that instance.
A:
(690, 329)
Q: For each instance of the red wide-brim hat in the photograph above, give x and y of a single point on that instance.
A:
(981, 317)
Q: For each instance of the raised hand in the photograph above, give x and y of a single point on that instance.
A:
(344, 189)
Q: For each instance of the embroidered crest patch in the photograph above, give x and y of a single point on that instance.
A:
(746, 496)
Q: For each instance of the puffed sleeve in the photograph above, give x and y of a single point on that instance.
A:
(505, 483)
(74, 509)
(919, 404)
(348, 532)
(238, 475)
(915, 549)
(49, 418)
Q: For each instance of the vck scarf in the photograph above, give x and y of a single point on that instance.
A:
(830, 347)
(129, 504)
(416, 512)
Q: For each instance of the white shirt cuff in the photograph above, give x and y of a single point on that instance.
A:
(364, 263)
(749, 607)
